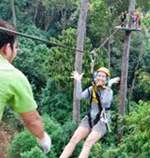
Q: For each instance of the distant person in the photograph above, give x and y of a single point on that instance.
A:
(123, 18)
(133, 22)
(15, 88)
(140, 20)
(128, 19)
(137, 19)
(96, 123)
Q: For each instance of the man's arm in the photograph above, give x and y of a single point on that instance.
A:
(32, 121)
(24, 104)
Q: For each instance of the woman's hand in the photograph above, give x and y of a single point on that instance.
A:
(75, 75)
(112, 81)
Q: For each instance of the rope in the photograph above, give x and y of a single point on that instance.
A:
(93, 54)
(108, 38)
(111, 34)
(51, 43)
(55, 44)
(39, 39)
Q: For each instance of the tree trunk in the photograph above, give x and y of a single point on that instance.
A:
(36, 10)
(64, 15)
(12, 4)
(109, 54)
(79, 55)
(124, 73)
(125, 63)
(48, 18)
(109, 41)
(39, 14)
(124, 68)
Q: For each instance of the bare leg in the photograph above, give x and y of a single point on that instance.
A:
(93, 137)
(79, 134)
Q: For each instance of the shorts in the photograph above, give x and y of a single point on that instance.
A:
(99, 126)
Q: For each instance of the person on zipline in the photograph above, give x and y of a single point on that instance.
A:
(16, 90)
(95, 124)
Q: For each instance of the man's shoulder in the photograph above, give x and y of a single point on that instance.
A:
(19, 75)
(10, 70)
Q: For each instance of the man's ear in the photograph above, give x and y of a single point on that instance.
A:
(6, 48)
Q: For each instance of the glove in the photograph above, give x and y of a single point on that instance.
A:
(76, 75)
(45, 143)
(113, 81)
(104, 120)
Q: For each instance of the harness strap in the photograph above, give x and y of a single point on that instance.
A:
(107, 109)
(89, 114)
(97, 118)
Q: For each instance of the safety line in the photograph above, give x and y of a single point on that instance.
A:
(39, 39)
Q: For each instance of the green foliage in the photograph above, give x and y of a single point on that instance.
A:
(4, 11)
(133, 106)
(22, 142)
(98, 16)
(58, 15)
(32, 59)
(35, 152)
(146, 20)
(49, 68)
(143, 5)
(55, 130)
(12, 120)
(60, 134)
(144, 82)
(64, 58)
(51, 3)
(55, 102)
(96, 151)
(136, 138)
(23, 8)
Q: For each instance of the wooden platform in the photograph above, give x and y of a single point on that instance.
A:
(128, 29)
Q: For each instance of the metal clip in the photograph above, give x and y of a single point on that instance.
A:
(93, 55)
(93, 58)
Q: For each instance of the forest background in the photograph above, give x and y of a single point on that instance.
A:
(48, 69)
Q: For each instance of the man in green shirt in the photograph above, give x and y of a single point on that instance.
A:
(15, 88)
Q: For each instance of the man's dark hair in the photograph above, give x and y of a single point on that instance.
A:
(7, 37)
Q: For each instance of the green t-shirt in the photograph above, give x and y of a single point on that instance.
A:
(14, 89)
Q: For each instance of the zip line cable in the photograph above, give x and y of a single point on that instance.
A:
(117, 29)
(51, 43)
(56, 44)
(108, 38)
(39, 39)
(114, 32)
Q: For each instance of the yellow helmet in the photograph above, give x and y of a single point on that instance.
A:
(104, 69)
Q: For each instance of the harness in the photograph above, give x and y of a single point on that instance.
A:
(96, 98)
